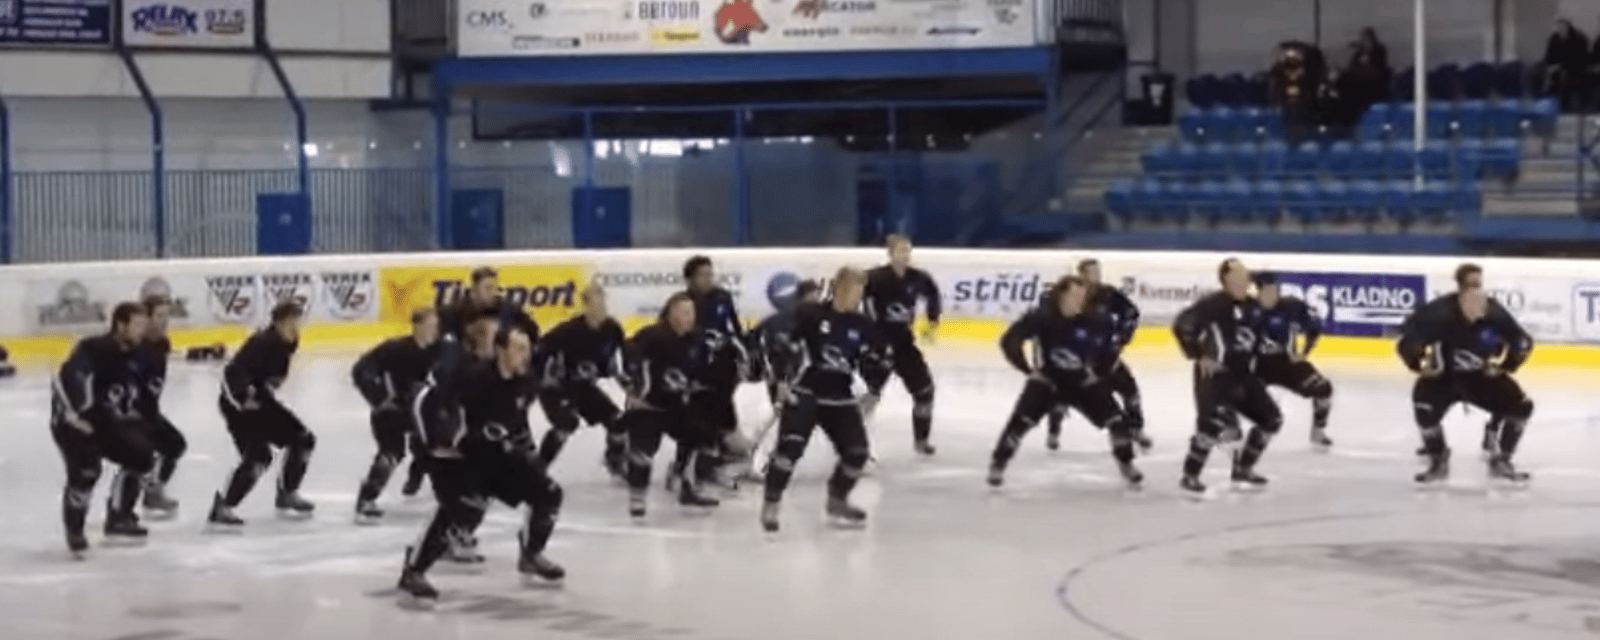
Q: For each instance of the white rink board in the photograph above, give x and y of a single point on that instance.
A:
(1556, 300)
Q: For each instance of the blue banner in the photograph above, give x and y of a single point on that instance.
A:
(1357, 304)
(53, 22)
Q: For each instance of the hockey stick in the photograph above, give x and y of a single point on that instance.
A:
(761, 436)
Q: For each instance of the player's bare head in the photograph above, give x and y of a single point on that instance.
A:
(1069, 293)
(1469, 276)
(129, 321)
(514, 349)
(698, 273)
(848, 285)
(1474, 304)
(899, 248)
(1089, 270)
(425, 325)
(480, 330)
(594, 301)
(286, 317)
(1235, 278)
(808, 291)
(485, 284)
(678, 313)
(159, 308)
(1267, 288)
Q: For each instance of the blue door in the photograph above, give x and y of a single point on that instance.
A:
(872, 210)
(602, 217)
(477, 219)
(283, 224)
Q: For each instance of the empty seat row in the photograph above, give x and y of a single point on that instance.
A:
(1275, 159)
(1482, 80)
(1303, 200)
(1465, 118)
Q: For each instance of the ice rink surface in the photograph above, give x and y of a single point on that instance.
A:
(1342, 546)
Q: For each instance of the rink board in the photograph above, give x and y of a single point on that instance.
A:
(354, 299)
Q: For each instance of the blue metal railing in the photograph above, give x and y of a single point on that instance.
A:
(158, 163)
(5, 183)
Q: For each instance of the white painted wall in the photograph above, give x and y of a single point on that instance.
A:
(329, 25)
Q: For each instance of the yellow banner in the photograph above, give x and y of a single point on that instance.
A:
(548, 292)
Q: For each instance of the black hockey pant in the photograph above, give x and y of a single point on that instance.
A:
(1127, 390)
(912, 368)
(169, 444)
(645, 427)
(841, 423)
(391, 430)
(1039, 397)
(1219, 400)
(1303, 379)
(564, 407)
(123, 443)
(1500, 395)
(255, 433)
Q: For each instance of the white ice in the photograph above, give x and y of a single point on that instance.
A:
(1342, 546)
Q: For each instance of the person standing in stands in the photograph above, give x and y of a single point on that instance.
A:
(1366, 78)
(1565, 59)
(1295, 83)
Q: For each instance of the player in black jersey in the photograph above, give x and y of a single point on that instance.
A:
(259, 422)
(1286, 333)
(835, 343)
(475, 410)
(1469, 277)
(770, 341)
(1075, 353)
(94, 416)
(1466, 353)
(662, 365)
(1123, 315)
(892, 293)
(386, 376)
(170, 445)
(726, 366)
(1218, 333)
(573, 358)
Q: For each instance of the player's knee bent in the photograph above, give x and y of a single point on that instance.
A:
(854, 458)
(554, 495)
(307, 442)
(1523, 411)
(84, 478)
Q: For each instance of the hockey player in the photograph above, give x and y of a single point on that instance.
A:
(662, 364)
(386, 376)
(1286, 334)
(1217, 333)
(259, 422)
(835, 343)
(770, 340)
(892, 293)
(1469, 277)
(573, 358)
(1076, 355)
(1465, 353)
(169, 443)
(487, 454)
(727, 365)
(1123, 315)
(94, 416)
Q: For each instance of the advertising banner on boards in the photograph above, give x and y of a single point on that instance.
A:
(189, 23)
(83, 305)
(1357, 304)
(57, 22)
(655, 27)
(548, 292)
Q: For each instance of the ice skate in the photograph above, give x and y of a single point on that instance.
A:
(1320, 441)
(1504, 473)
(1053, 441)
(924, 448)
(769, 516)
(123, 529)
(538, 566)
(413, 586)
(78, 545)
(690, 496)
(1438, 470)
(368, 513)
(222, 517)
(845, 514)
(997, 475)
(1131, 476)
(1246, 479)
(291, 505)
(636, 505)
(157, 504)
(1192, 487)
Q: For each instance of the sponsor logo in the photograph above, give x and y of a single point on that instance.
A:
(226, 22)
(158, 286)
(538, 10)
(615, 37)
(784, 285)
(815, 8)
(953, 31)
(668, 10)
(168, 20)
(735, 20)
(1586, 312)
(1001, 293)
(543, 42)
(287, 287)
(488, 20)
(560, 295)
(872, 31)
(1140, 290)
(1356, 304)
(72, 306)
(814, 32)
(664, 279)
(232, 298)
(674, 36)
(548, 291)
(349, 294)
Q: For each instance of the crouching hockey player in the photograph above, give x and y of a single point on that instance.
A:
(1217, 332)
(662, 365)
(94, 417)
(1077, 352)
(1119, 310)
(1285, 335)
(474, 412)
(1466, 353)
(573, 358)
(834, 343)
(387, 376)
(154, 351)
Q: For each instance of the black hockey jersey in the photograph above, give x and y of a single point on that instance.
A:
(891, 299)
(661, 368)
(1220, 328)
(100, 382)
(575, 352)
(1279, 328)
(254, 373)
(1457, 346)
(494, 407)
(151, 356)
(719, 323)
(436, 405)
(831, 348)
(387, 374)
(1118, 310)
(1068, 352)
(772, 343)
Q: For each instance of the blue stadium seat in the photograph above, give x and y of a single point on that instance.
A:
(1172, 200)
(1397, 200)
(1477, 81)
(1300, 199)
(1436, 159)
(1399, 159)
(1472, 118)
(1370, 159)
(1340, 158)
(1222, 123)
(1266, 200)
(1120, 199)
(1206, 200)
(1333, 199)
(1236, 200)
(1149, 196)
(1403, 120)
(1433, 201)
(1505, 119)
(1213, 160)
(1441, 118)
(1188, 159)
(1243, 158)
(1467, 197)
(1366, 200)
(1192, 124)
(1306, 158)
(1502, 157)
(1160, 158)
(1375, 122)
(1274, 157)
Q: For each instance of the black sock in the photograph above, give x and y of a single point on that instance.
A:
(294, 469)
(243, 480)
(377, 477)
(74, 509)
(125, 492)
(1199, 452)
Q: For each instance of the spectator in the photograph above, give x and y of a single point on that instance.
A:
(1369, 70)
(1566, 58)
(1296, 86)
(1594, 74)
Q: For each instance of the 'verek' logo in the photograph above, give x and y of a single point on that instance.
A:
(736, 20)
(287, 287)
(348, 294)
(232, 298)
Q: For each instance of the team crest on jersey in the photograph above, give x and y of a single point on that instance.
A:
(287, 287)
(233, 298)
(348, 294)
